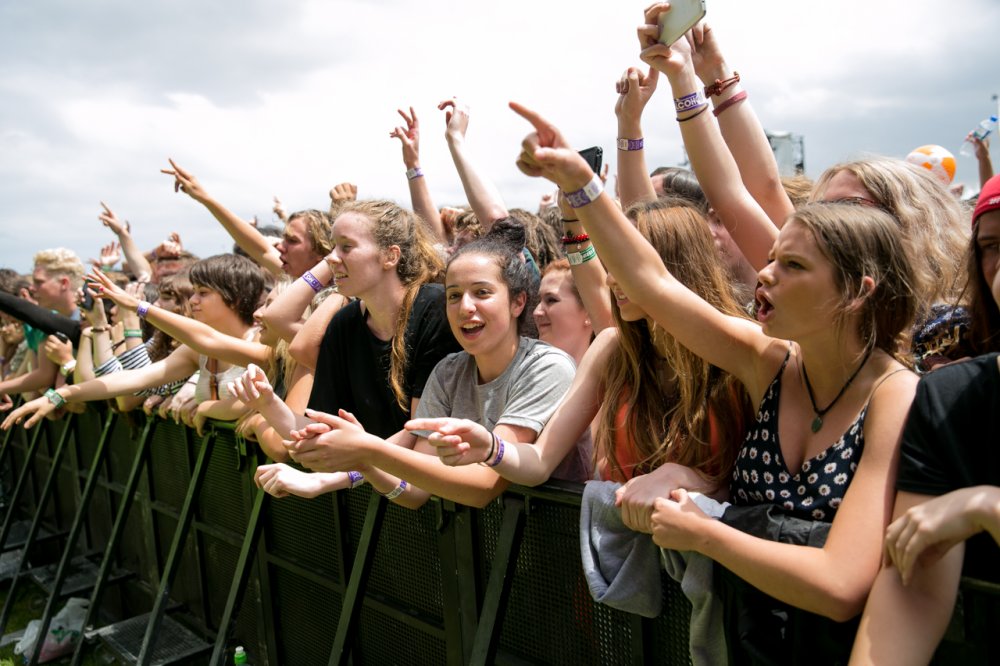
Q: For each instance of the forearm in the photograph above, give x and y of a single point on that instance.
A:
(590, 279)
(985, 169)
(634, 184)
(284, 314)
(305, 347)
(472, 485)
(423, 205)
(750, 148)
(483, 197)
(246, 236)
(719, 176)
(37, 380)
(137, 261)
(206, 340)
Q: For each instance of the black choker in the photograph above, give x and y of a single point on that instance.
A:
(818, 421)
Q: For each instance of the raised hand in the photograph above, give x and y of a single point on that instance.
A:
(343, 192)
(456, 441)
(634, 89)
(111, 221)
(456, 119)
(706, 56)
(105, 288)
(110, 255)
(58, 351)
(670, 60)
(544, 152)
(172, 247)
(279, 210)
(252, 388)
(184, 181)
(409, 137)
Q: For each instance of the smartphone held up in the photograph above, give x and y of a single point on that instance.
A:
(681, 17)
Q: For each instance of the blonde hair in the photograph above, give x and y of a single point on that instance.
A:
(668, 421)
(419, 263)
(319, 229)
(934, 227)
(61, 261)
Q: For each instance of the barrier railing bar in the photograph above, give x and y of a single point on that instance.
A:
(240, 578)
(22, 479)
(117, 530)
(74, 533)
(176, 552)
(354, 594)
(36, 522)
(498, 588)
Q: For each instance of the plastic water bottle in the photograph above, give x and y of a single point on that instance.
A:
(240, 656)
(982, 131)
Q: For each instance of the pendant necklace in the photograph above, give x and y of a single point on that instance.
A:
(818, 421)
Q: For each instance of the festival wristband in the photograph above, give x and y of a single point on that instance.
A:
(690, 102)
(55, 398)
(415, 172)
(356, 479)
(587, 194)
(630, 144)
(395, 492)
(577, 258)
(133, 333)
(142, 308)
(311, 280)
(501, 445)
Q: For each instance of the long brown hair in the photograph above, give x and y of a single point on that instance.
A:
(667, 419)
(419, 263)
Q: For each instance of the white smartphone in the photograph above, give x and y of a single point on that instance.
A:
(681, 17)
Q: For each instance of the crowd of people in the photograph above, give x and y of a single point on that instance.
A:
(718, 343)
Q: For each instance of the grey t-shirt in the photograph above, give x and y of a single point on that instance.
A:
(526, 395)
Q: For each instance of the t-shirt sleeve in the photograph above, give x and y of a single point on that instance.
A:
(539, 387)
(930, 442)
(432, 339)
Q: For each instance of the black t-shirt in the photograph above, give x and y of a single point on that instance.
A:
(352, 371)
(950, 442)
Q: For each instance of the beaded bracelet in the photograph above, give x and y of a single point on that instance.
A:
(732, 101)
(311, 280)
(570, 240)
(55, 398)
(395, 492)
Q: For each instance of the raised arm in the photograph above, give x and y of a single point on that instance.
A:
(590, 277)
(137, 261)
(711, 160)
(420, 194)
(740, 126)
(982, 148)
(284, 314)
(634, 90)
(195, 334)
(735, 345)
(245, 234)
(484, 199)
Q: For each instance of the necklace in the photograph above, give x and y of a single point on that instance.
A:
(820, 413)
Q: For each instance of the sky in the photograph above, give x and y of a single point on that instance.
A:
(289, 98)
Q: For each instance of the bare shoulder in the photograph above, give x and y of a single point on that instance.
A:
(889, 405)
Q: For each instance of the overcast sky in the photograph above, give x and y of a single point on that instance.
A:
(289, 98)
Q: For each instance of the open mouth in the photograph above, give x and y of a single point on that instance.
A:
(472, 329)
(762, 307)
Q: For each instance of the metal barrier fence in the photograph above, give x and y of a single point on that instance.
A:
(184, 559)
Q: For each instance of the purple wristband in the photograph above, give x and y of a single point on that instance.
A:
(395, 492)
(142, 309)
(415, 172)
(356, 479)
(311, 280)
(500, 447)
(630, 144)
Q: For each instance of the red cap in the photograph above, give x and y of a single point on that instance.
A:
(989, 198)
